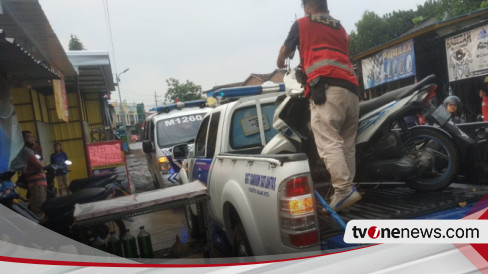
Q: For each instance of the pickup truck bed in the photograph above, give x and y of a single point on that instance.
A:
(398, 201)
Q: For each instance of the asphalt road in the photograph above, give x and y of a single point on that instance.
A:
(140, 179)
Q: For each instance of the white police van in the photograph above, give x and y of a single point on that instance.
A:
(173, 124)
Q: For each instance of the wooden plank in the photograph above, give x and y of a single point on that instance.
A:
(138, 201)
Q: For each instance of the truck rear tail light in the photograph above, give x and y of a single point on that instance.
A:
(164, 164)
(298, 224)
(303, 223)
(304, 239)
(297, 187)
(298, 206)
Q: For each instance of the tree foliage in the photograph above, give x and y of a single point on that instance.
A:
(183, 92)
(75, 43)
(373, 30)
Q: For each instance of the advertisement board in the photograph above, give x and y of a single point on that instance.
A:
(389, 65)
(467, 54)
(109, 157)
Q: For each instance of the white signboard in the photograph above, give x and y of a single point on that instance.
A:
(467, 54)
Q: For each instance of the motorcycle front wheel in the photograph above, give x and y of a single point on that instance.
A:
(436, 156)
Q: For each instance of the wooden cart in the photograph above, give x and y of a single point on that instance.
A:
(91, 214)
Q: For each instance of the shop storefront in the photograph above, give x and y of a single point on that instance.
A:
(455, 50)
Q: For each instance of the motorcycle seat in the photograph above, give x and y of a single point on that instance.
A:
(66, 203)
(78, 184)
(368, 106)
(102, 182)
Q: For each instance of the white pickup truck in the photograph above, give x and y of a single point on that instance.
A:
(265, 203)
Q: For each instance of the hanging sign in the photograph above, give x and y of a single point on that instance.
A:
(389, 65)
(109, 157)
(467, 54)
(61, 100)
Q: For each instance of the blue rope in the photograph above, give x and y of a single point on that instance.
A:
(334, 214)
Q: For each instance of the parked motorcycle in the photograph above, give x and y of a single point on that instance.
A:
(51, 171)
(9, 195)
(386, 149)
(107, 180)
(471, 141)
(59, 210)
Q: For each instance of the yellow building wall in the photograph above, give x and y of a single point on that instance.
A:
(36, 112)
(93, 108)
(69, 135)
(34, 108)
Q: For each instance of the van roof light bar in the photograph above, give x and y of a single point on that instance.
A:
(247, 91)
(180, 105)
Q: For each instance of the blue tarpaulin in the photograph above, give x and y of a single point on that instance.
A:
(11, 140)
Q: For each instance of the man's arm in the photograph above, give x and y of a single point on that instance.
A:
(289, 46)
(282, 55)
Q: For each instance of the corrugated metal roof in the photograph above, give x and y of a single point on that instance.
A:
(19, 64)
(26, 22)
(94, 70)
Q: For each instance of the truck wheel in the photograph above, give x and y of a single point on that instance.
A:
(437, 159)
(240, 243)
(192, 223)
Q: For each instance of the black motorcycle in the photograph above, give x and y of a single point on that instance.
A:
(59, 211)
(471, 142)
(9, 195)
(386, 149)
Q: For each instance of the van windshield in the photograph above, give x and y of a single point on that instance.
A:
(177, 130)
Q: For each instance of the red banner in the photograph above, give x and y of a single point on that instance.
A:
(108, 157)
(102, 154)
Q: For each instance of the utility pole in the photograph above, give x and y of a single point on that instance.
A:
(156, 98)
(122, 113)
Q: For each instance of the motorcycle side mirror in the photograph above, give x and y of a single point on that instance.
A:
(68, 162)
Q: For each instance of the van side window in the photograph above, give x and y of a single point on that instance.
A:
(201, 138)
(245, 128)
(212, 134)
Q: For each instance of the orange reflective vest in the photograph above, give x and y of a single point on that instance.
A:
(323, 49)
